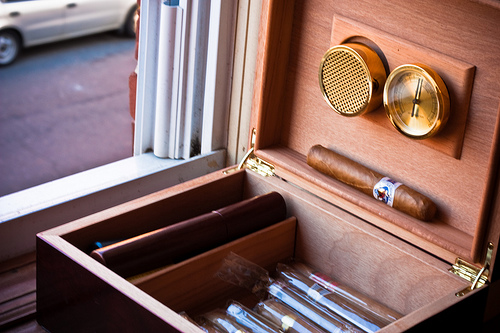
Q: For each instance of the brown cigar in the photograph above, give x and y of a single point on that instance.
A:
(395, 194)
(188, 238)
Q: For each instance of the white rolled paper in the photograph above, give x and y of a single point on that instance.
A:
(170, 33)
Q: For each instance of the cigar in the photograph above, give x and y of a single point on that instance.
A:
(343, 307)
(394, 194)
(224, 323)
(349, 295)
(310, 309)
(250, 319)
(185, 239)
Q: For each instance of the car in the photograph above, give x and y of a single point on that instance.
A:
(25, 23)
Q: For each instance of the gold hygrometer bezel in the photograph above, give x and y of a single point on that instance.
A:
(416, 101)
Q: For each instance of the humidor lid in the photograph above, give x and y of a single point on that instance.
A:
(457, 169)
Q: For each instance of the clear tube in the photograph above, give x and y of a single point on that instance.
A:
(330, 300)
(184, 315)
(348, 294)
(250, 319)
(289, 320)
(224, 322)
(209, 327)
(308, 308)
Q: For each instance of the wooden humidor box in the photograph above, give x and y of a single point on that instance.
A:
(395, 259)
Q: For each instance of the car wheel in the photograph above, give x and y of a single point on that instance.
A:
(129, 27)
(10, 45)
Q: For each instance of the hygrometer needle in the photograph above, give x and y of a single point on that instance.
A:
(414, 111)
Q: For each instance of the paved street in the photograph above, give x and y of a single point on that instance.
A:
(64, 108)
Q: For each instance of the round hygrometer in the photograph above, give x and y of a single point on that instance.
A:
(416, 101)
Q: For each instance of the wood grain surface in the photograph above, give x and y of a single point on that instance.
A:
(464, 32)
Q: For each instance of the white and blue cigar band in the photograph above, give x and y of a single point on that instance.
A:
(384, 190)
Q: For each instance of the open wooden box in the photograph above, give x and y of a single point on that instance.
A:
(395, 259)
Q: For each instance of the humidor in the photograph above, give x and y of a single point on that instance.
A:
(435, 272)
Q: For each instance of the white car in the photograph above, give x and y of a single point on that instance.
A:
(25, 23)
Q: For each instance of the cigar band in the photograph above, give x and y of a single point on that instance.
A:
(287, 322)
(385, 189)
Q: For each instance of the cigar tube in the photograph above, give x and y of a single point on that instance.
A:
(209, 327)
(289, 320)
(349, 295)
(396, 195)
(163, 246)
(253, 214)
(310, 309)
(98, 245)
(188, 238)
(243, 273)
(250, 319)
(206, 325)
(184, 315)
(348, 310)
(224, 322)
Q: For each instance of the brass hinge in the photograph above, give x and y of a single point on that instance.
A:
(254, 163)
(477, 276)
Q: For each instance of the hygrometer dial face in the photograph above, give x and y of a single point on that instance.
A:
(416, 101)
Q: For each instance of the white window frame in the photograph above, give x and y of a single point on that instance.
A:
(25, 213)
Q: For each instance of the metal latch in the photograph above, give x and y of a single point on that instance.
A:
(477, 276)
(254, 163)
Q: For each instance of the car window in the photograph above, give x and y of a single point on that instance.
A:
(8, 1)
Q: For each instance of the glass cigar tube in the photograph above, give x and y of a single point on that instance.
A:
(188, 318)
(338, 305)
(209, 327)
(289, 320)
(305, 306)
(250, 319)
(370, 306)
(224, 322)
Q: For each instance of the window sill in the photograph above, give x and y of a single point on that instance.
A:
(23, 214)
